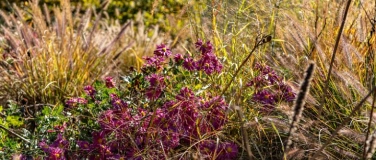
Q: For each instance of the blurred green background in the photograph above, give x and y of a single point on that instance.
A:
(155, 12)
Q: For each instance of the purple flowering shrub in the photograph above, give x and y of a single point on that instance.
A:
(269, 88)
(153, 114)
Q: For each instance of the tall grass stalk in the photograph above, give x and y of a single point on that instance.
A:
(326, 83)
(365, 152)
(299, 106)
(245, 135)
(370, 147)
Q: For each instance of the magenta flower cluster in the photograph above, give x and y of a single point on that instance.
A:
(157, 85)
(269, 88)
(208, 61)
(110, 83)
(73, 102)
(56, 150)
(90, 91)
(157, 61)
(225, 151)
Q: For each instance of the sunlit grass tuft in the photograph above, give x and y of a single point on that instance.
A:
(46, 61)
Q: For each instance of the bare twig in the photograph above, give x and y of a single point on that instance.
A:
(263, 40)
(14, 133)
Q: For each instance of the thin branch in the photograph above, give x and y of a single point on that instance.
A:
(258, 43)
(17, 135)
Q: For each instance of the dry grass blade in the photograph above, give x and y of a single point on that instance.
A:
(371, 146)
(116, 39)
(347, 120)
(365, 152)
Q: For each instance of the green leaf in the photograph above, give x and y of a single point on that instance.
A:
(198, 86)
(14, 120)
(58, 110)
(46, 110)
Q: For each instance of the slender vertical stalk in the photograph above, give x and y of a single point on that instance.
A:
(257, 44)
(245, 135)
(334, 56)
(369, 125)
(299, 106)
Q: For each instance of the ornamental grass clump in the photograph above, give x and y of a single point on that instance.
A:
(156, 114)
(55, 54)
